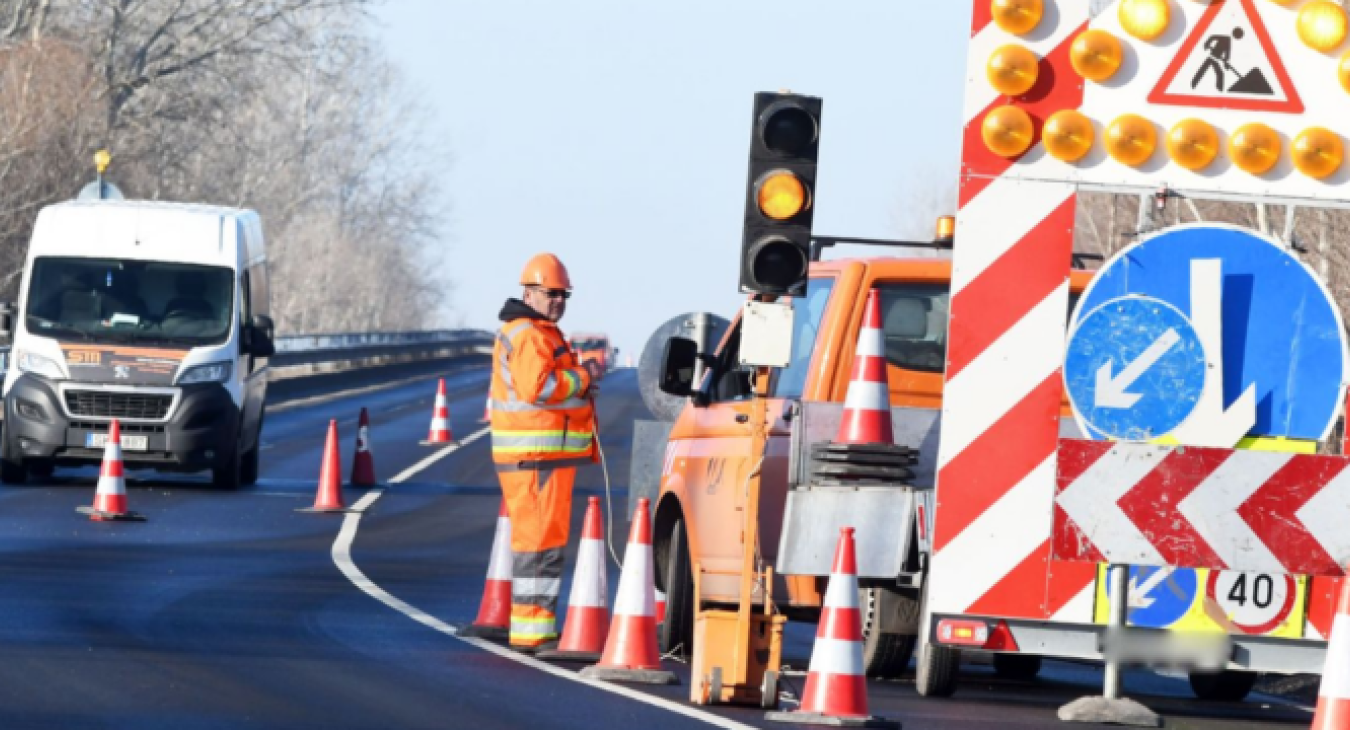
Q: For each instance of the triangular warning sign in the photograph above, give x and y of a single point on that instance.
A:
(1228, 62)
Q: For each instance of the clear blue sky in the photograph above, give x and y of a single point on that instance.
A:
(615, 133)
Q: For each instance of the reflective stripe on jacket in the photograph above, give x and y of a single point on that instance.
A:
(538, 412)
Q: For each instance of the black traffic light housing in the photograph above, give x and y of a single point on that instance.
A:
(775, 253)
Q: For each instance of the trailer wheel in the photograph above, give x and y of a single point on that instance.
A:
(886, 655)
(1225, 686)
(936, 666)
(1019, 667)
(677, 631)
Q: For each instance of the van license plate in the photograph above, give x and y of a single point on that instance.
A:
(129, 442)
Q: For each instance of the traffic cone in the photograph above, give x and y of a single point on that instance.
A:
(487, 411)
(329, 495)
(440, 419)
(660, 606)
(1333, 697)
(363, 465)
(110, 498)
(836, 688)
(631, 654)
(583, 636)
(494, 613)
(867, 407)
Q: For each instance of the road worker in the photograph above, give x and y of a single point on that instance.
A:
(543, 428)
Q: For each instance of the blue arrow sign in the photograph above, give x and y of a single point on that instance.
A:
(1159, 597)
(1135, 368)
(1281, 332)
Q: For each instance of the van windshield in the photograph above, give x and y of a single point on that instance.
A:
(134, 302)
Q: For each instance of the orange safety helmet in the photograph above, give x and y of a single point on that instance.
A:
(547, 271)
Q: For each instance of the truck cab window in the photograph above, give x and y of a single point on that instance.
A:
(914, 320)
(727, 379)
(807, 313)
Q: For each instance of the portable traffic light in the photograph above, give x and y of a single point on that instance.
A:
(779, 205)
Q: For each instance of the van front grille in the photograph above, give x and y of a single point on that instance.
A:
(103, 404)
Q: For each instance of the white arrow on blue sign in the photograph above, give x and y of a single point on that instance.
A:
(1280, 341)
(1135, 368)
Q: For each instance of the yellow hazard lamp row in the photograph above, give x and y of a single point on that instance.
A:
(1096, 54)
(1191, 143)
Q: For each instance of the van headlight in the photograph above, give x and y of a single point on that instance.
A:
(216, 372)
(31, 362)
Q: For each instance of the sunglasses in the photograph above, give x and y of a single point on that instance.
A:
(554, 293)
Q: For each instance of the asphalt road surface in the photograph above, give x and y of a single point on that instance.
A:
(233, 610)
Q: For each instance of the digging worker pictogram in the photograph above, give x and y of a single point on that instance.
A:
(1220, 50)
(543, 427)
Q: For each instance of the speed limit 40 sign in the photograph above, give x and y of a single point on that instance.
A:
(1254, 603)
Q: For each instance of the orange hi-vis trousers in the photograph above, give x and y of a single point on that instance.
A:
(539, 505)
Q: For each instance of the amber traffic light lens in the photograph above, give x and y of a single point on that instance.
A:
(781, 195)
(789, 130)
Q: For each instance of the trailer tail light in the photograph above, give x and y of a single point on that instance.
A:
(962, 632)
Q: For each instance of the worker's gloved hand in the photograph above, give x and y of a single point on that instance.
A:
(594, 369)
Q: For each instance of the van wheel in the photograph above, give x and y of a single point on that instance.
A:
(228, 476)
(1019, 667)
(886, 655)
(677, 631)
(1225, 686)
(248, 468)
(41, 468)
(936, 666)
(11, 471)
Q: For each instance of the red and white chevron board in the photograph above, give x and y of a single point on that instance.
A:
(1003, 392)
(1142, 504)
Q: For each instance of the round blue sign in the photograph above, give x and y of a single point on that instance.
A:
(1134, 369)
(1159, 597)
(1281, 331)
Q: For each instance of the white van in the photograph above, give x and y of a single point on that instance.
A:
(154, 314)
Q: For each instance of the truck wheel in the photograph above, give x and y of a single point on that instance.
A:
(886, 655)
(228, 475)
(936, 666)
(1225, 686)
(12, 471)
(1019, 667)
(677, 631)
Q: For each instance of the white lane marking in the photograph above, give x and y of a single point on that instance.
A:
(411, 471)
(342, 557)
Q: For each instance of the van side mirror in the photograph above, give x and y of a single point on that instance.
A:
(677, 367)
(7, 312)
(260, 341)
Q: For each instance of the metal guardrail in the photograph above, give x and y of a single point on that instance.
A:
(300, 350)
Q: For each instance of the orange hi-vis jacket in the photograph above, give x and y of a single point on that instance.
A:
(539, 417)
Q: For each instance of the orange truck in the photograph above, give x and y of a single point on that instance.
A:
(708, 459)
(591, 346)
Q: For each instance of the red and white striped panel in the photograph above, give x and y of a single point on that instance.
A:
(1001, 403)
(1142, 504)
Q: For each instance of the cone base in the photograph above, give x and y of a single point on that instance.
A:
(362, 485)
(1118, 711)
(584, 657)
(479, 631)
(326, 510)
(101, 516)
(634, 676)
(813, 718)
